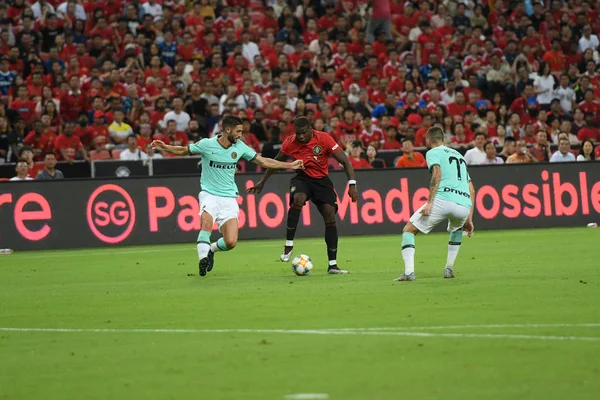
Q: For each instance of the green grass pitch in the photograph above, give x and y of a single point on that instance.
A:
(520, 321)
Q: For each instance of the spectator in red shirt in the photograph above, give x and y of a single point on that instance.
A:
(250, 138)
(174, 137)
(356, 150)
(98, 132)
(67, 145)
(73, 102)
(410, 158)
(23, 105)
(391, 142)
(371, 136)
(38, 141)
(349, 129)
(589, 131)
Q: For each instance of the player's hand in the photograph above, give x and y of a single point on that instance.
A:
(426, 210)
(256, 189)
(298, 164)
(353, 193)
(158, 145)
(469, 227)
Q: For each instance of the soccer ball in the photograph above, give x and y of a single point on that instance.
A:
(302, 265)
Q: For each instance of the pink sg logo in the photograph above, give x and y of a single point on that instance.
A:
(111, 213)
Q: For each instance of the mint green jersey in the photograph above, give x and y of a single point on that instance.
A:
(218, 165)
(454, 185)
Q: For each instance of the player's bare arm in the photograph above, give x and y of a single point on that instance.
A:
(259, 186)
(469, 227)
(436, 178)
(272, 164)
(176, 150)
(342, 158)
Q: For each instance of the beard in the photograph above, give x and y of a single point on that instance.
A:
(231, 138)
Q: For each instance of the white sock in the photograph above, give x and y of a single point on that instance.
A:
(203, 249)
(452, 253)
(214, 248)
(332, 262)
(289, 243)
(408, 255)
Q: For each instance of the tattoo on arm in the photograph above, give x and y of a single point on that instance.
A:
(435, 182)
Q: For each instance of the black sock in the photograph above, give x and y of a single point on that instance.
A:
(292, 221)
(331, 239)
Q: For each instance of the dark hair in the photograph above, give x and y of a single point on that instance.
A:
(47, 153)
(593, 154)
(301, 124)
(171, 120)
(487, 144)
(22, 160)
(231, 121)
(435, 134)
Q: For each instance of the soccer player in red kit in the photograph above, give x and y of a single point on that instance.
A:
(313, 183)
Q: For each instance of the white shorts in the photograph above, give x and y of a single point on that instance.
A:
(442, 210)
(222, 209)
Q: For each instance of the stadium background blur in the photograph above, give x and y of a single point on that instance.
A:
(80, 78)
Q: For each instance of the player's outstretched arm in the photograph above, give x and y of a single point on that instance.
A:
(177, 150)
(469, 227)
(259, 186)
(436, 178)
(342, 158)
(276, 164)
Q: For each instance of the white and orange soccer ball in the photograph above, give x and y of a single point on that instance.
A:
(302, 265)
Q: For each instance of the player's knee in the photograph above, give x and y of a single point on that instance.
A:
(299, 199)
(409, 228)
(230, 243)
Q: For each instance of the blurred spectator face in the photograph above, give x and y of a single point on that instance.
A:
(145, 130)
(22, 92)
(459, 130)
(385, 122)
(460, 98)
(479, 141)
(333, 122)
(177, 104)
(541, 138)
(564, 146)
(529, 130)
(319, 124)
(407, 147)
(565, 126)
(171, 127)
(578, 115)
(70, 128)
(515, 119)
(194, 126)
(371, 151)
(490, 150)
(132, 143)
(119, 116)
(50, 161)
(501, 131)
(589, 119)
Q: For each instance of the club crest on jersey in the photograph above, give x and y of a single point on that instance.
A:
(317, 150)
(234, 155)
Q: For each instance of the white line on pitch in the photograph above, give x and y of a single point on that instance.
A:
(442, 327)
(308, 332)
(306, 396)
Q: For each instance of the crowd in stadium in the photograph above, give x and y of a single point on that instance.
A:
(509, 81)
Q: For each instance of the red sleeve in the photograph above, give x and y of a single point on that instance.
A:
(29, 139)
(59, 143)
(285, 146)
(329, 144)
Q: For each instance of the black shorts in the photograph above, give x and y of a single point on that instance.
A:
(318, 190)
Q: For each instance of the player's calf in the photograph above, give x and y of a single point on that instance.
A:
(453, 248)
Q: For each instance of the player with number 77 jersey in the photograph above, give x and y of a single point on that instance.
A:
(451, 196)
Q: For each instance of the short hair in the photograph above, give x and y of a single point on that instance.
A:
(22, 160)
(171, 120)
(132, 136)
(231, 121)
(509, 139)
(481, 134)
(487, 144)
(47, 153)
(435, 134)
(301, 124)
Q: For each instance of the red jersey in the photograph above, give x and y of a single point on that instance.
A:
(392, 145)
(71, 105)
(360, 163)
(39, 144)
(315, 153)
(144, 142)
(70, 144)
(375, 137)
(178, 139)
(35, 170)
(99, 134)
(26, 109)
(345, 132)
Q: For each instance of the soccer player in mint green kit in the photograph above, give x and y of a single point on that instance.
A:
(450, 198)
(219, 193)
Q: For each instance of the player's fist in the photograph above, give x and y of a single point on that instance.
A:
(298, 164)
(426, 210)
(469, 227)
(256, 189)
(353, 193)
(158, 145)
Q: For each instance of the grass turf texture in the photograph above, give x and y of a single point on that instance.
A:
(518, 277)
